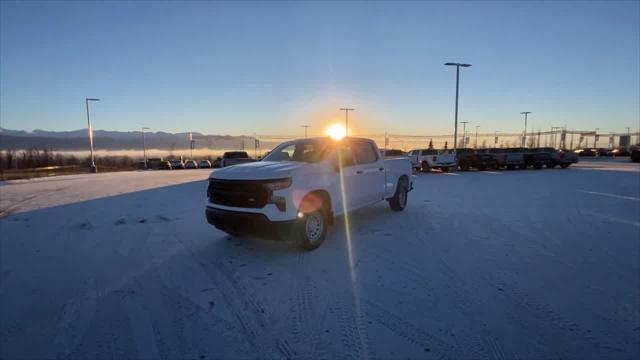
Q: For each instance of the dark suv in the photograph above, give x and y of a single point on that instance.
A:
(477, 161)
(537, 160)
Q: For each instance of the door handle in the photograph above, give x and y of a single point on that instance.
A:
(380, 169)
(359, 172)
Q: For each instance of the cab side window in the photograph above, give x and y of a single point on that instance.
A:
(345, 156)
(365, 152)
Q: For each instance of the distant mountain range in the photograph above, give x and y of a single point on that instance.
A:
(117, 140)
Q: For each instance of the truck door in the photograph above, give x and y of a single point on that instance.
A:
(371, 175)
(348, 178)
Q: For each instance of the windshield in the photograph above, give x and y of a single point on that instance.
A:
(310, 151)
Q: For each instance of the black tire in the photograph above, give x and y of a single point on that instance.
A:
(312, 227)
(445, 169)
(564, 166)
(551, 166)
(482, 167)
(399, 200)
(522, 166)
(537, 166)
(511, 167)
(464, 167)
(426, 167)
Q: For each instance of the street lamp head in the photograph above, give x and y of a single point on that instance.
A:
(90, 99)
(526, 112)
(457, 64)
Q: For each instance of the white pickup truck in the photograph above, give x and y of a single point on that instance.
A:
(298, 188)
(427, 159)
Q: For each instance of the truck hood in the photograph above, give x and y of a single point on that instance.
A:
(259, 170)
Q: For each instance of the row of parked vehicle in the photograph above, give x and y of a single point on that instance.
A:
(603, 152)
(176, 164)
(229, 158)
(487, 159)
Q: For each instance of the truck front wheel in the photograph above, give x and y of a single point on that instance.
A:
(399, 200)
(313, 229)
(312, 222)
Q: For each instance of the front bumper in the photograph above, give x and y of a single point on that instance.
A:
(246, 222)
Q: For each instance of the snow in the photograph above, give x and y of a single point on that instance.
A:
(498, 265)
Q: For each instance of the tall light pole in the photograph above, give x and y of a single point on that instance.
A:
(93, 168)
(346, 119)
(144, 147)
(595, 137)
(475, 145)
(524, 137)
(455, 131)
(464, 134)
(305, 129)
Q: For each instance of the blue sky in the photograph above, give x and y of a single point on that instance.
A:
(267, 67)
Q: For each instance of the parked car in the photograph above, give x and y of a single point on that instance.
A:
(177, 164)
(477, 161)
(190, 164)
(509, 158)
(392, 153)
(602, 152)
(635, 155)
(234, 158)
(205, 164)
(164, 165)
(427, 159)
(619, 152)
(558, 157)
(537, 160)
(586, 152)
(301, 185)
(153, 163)
(217, 163)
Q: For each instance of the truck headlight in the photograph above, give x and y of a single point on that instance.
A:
(278, 184)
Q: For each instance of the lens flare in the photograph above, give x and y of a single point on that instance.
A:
(336, 132)
(350, 253)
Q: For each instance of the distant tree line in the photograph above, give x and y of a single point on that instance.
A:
(35, 158)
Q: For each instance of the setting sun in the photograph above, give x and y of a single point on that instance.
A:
(336, 131)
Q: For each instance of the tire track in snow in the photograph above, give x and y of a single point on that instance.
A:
(540, 311)
(411, 333)
(354, 338)
(470, 345)
(306, 327)
(245, 306)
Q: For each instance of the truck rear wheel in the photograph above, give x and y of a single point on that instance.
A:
(399, 200)
(425, 166)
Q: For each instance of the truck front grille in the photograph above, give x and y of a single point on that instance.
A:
(238, 193)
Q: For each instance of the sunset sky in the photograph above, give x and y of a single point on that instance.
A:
(268, 67)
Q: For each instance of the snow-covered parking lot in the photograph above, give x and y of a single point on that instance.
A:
(481, 265)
